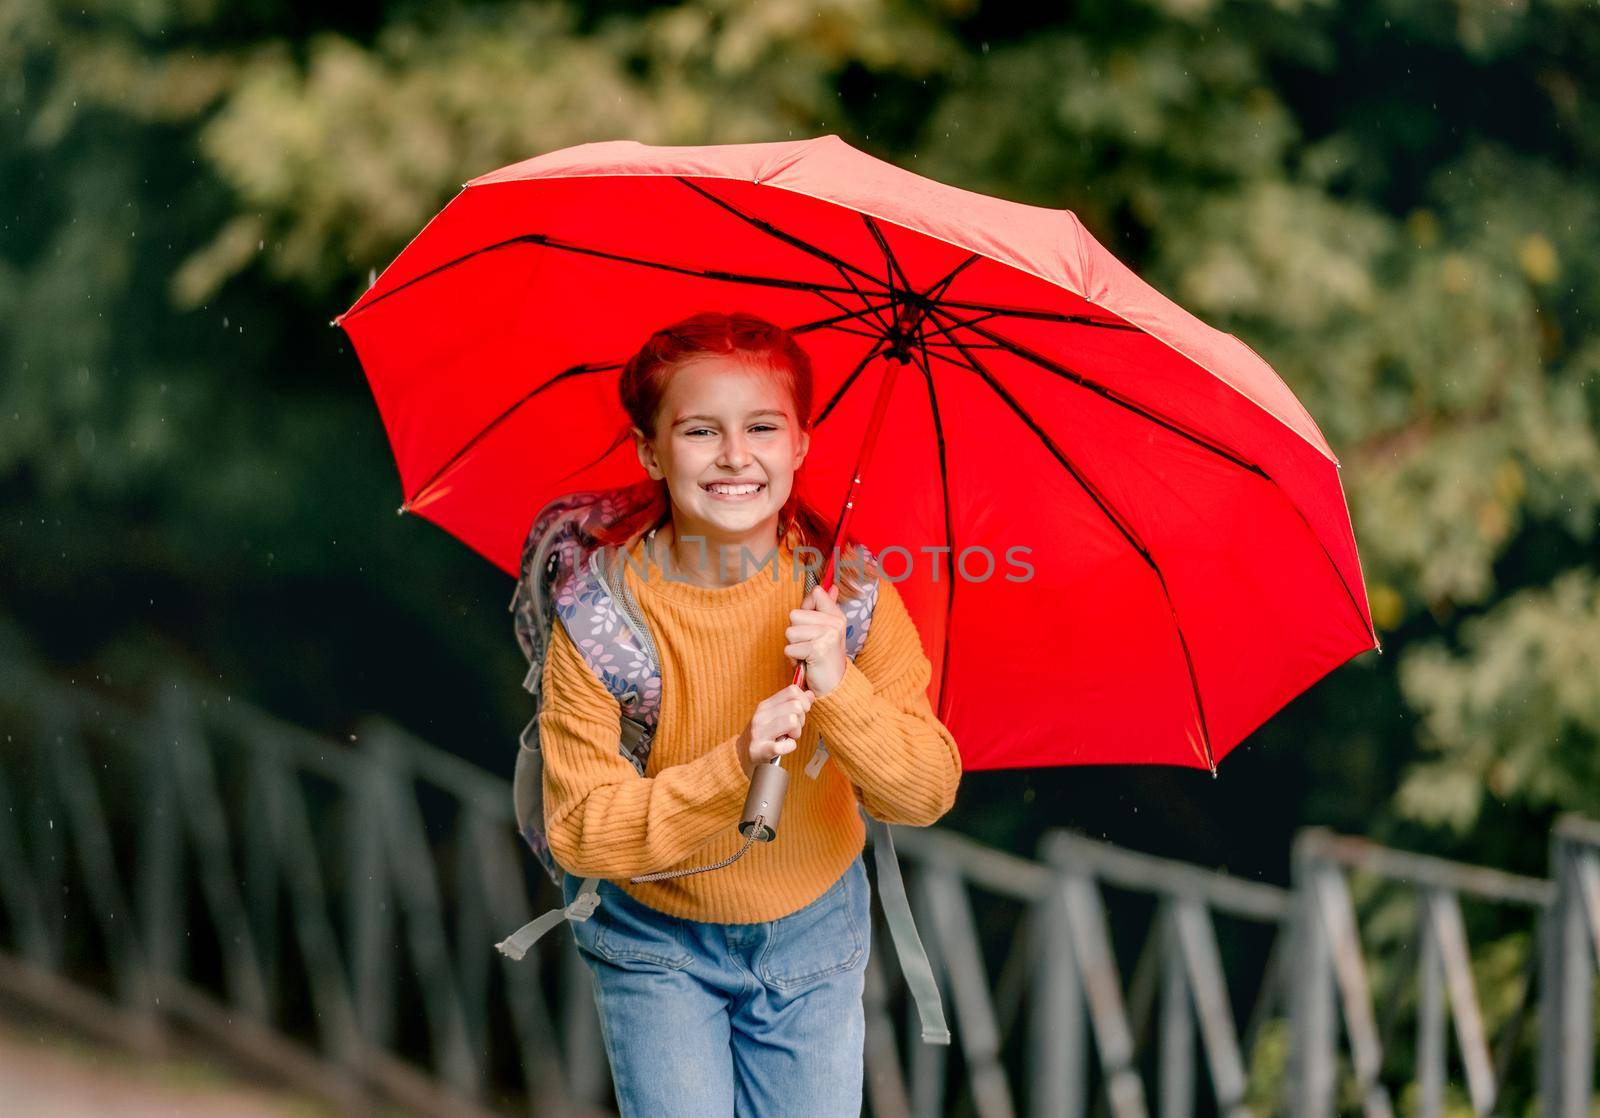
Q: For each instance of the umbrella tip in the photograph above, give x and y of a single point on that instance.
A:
(402, 510)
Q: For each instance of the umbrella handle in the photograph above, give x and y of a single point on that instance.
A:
(763, 804)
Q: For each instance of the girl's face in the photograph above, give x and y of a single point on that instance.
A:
(724, 420)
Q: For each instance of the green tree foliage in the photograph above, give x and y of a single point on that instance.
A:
(1395, 203)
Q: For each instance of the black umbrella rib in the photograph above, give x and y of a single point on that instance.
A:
(935, 292)
(1107, 393)
(622, 437)
(1117, 522)
(845, 314)
(841, 265)
(844, 267)
(972, 364)
(891, 264)
(565, 374)
(949, 528)
(1111, 395)
(546, 241)
(846, 330)
(773, 231)
(996, 310)
(848, 381)
(969, 345)
(838, 395)
(823, 323)
(838, 304)
(992, 310)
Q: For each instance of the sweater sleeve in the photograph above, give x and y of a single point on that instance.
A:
(881, 728)
(602, 818)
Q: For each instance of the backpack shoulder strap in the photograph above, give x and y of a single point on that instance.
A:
(556, 580)
(908, 947)
(611, 634)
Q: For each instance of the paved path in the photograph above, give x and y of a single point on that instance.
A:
(47, 1074)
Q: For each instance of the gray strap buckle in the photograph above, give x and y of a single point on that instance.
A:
(582, 907)
(516, 945)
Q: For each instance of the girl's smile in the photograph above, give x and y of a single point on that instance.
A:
(732, 492)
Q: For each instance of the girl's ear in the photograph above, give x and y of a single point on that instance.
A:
(647, 454)
(804, 448)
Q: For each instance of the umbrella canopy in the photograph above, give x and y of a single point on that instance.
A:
(1122, 538)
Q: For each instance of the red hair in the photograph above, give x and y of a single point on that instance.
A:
(767, 348)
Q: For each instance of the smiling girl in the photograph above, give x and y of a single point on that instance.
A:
(737, 991)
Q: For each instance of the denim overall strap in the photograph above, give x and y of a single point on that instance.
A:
(903, 930)
(582, 907)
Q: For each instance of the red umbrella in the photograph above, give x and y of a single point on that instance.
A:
(1146, 549)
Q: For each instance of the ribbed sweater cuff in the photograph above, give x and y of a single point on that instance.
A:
(845, 711)
(719, 780)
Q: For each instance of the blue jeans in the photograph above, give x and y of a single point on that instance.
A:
(704, 1019)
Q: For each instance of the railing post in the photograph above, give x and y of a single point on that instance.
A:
(160, 867)
(978, 1031)
(1059, 1025)
(885, 1082)
(1567, 941)
(1311, 1009)
(369, 901)
(1177, 1021)
(1196, 942)
(1430, 1016)
(1091, 946)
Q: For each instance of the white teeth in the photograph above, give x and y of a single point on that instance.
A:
(733, 490)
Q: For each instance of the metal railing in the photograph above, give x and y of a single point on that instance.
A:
(1061, 962)
(328, 910)
(1569, 948)
(1330, 968)
(203, 863)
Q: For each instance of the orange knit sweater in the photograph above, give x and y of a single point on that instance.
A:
(722, 653)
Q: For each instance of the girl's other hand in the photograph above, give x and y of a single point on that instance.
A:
(816, 635)
(774, 728)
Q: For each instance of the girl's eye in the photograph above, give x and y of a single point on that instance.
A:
(707, 430)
